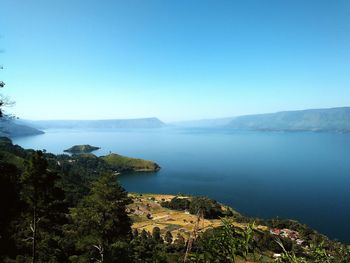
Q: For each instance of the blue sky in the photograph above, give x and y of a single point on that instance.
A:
(176, 60)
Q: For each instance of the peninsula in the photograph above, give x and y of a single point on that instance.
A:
(122, 163)
(11, 128)
(116, 163)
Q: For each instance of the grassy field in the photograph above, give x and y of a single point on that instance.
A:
(166, 219)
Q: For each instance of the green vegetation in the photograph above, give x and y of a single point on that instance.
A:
(78, 149)
(44, 211)
(177, 203)
(210, 208)
(3, 100)
(122, 163)
(100, 227)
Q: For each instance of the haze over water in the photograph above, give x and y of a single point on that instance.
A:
(304, 176)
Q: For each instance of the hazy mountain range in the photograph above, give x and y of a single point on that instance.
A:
(14, 128)
(10, 128)
(333, 119)
(204, 123)
(93, 124)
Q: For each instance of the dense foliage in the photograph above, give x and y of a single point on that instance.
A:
(177, 203)
(210, 208)
(57, 213)
(100, 226)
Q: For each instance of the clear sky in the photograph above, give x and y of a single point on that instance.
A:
(175, 60)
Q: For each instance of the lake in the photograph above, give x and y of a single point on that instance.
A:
(303, 176)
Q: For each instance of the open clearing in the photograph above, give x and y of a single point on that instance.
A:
(147, 213)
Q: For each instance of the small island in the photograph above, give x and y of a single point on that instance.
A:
(80, 149)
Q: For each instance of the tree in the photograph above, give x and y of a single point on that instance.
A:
(10, 206)
(144, 234)
(135, 233)
(100, 221)
(211, 208)
(177, 203)
(168, 237)
(4, 101)
(32, 180)
(46, 209)
(156, 234)
(226, 243)
(179, 241)
(2, 84)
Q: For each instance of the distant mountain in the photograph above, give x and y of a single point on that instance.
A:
(12, 128)
(333, 119)
(204, 123)
(98, 124)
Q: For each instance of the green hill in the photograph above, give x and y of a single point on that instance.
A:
(123, 163)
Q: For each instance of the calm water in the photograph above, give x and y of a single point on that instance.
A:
(305, 176)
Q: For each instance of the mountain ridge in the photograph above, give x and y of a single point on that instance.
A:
(329, 119)
(11, 128)
(204, 123)
(107, 123)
